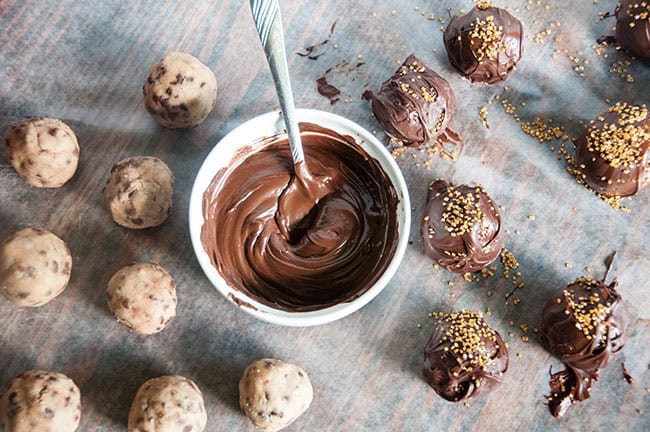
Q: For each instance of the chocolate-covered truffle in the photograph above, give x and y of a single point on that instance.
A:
(613, 153)
(461, 227)
(633, 27)
(485, 44)
(584, 326)
(415, 105)
(464, 357)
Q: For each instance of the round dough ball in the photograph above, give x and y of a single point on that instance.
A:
(168, 404)
(139, 192)
(180, 91)
(41, 401)
(142, 296)
(273, 393)
(44, 152)
(35, 267)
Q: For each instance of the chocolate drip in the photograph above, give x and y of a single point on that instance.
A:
(585, 326)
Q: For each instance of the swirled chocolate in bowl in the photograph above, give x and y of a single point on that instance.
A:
(334, 255)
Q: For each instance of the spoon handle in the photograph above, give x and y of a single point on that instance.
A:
(266, 14)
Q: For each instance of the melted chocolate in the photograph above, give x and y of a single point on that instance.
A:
(461, 227)
(328, 90)
(415, 105)
(341, 248)
(633, 27)
(585, 327)
(485, 44)
(613, 152)
(464, 357)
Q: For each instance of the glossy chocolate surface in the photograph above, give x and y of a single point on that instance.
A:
(335, 254)
(464, 357)
(613, 152)
(485, 44)
(415, 105)
(633, 27)
(585, 327)
(461, 227)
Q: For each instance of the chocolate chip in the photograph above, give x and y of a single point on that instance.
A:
(266, 396)
(187, 428)
(137, 221)
(168, 91)
(202, 84)
(66, 268)
(55, 266)
(23, 295)
(31, 272)
(53, 131)
(183, 107)
(48, 413)
(279, 414)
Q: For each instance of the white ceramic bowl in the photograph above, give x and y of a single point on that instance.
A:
(267, 125)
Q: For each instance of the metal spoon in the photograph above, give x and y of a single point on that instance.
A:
(266, 14)
(298, 200)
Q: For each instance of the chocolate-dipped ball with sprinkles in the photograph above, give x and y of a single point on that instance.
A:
(414, 107)
(613, 152)
(464, 357)
(633, 27)
(585, 326)
(461, 227)
(485, 44)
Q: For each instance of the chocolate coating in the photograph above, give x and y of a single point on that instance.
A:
(464, 357)
(485, 44)
(633, 27)
(613, 152)
(461, 227)
(339, 250)
(415, 105)
(585, 326)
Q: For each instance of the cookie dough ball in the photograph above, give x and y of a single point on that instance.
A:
(180, 91)
(44, 152)
(273, 393)
(168, 404)
(139, 192)
(41, 401)
(35, 267)
(142, 296)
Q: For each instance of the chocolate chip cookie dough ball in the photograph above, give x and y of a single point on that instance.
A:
(44, 152)
(180, 91)
(41, 401)
(273, 393)
(142, 296)
(34, 267)
(139, 192)
(168, 404)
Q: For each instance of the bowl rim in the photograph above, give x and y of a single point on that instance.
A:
(266, 125)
